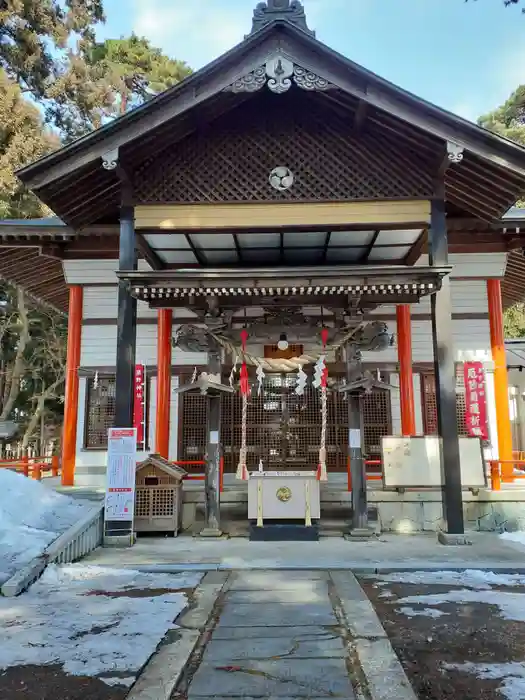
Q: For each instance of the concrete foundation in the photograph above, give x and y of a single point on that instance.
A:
(411, 511)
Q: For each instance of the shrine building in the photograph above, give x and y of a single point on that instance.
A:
(285, 213)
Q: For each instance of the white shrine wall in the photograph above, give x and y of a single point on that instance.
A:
(470, 328)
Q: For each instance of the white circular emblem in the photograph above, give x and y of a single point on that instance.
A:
(281, 178)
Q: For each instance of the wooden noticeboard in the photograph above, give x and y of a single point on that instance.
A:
(415, 462)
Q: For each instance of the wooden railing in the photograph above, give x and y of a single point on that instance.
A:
(36, 467)
(496, 478)
(200, 476)
(369, 476)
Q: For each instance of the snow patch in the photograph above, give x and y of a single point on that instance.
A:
(114, 680)
(471, 578)
(67, 618)
(386, 594)
(422, 612)
(31, 517)
(511, 605)
(513, 675)
(518, 537)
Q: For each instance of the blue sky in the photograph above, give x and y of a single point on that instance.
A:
(466, 57)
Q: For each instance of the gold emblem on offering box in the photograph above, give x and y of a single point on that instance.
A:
(284, 494)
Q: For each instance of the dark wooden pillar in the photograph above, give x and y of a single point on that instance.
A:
(127, 319)
(357, 463)
(212, 527)
(445, 374)
(120, 532)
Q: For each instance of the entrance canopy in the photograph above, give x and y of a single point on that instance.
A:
(359, 287)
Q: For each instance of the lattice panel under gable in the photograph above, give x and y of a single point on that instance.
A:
(231, 160)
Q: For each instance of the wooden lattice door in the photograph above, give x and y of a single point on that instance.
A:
(290, 440)
(283, 429)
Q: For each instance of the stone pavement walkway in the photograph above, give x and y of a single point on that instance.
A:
(279, 634)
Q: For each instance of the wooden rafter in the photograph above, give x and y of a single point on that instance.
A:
(147, 252)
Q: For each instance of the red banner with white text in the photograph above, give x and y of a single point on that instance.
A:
(475, 400)
(139, 411)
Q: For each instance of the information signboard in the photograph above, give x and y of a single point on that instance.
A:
(122, 465)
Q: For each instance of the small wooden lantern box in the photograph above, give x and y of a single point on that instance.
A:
(158, 495)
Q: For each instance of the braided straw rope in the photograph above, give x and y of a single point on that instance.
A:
(242, 471)
(322, 444)
(290, 365)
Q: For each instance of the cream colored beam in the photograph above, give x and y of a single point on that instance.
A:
(406, 213)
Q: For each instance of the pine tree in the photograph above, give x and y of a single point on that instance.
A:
(135, 69)
(23, 138)
(509, 121)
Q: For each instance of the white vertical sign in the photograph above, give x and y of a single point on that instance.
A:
(122, 466)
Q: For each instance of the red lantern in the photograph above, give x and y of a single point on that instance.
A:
(324, 336)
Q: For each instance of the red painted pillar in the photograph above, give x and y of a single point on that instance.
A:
(406, 379)
(501, 382)
(162, 426)
(74, 334)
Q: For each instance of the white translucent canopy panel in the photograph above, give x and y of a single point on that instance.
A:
(259, 240)
(204, 241)
(343, 255)
(293, 239)
(380, 254)
(177, 256)
(386, 237)
(167, 240)
(351, 237)
(221, 256)
(303, 255)
(264, 257)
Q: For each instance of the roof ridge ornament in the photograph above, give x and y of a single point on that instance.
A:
(277, 74)
(290, 10)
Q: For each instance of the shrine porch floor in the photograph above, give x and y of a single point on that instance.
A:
(384, 553)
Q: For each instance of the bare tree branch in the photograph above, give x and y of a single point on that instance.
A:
(15, 375)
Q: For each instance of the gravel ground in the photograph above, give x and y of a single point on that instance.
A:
(466, 632)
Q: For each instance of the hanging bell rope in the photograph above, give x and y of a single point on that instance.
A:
(242, 469)
(322, 473)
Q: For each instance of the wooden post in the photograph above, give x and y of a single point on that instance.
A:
(120, 531)
(54, 465)
(162, 426)
(445, 373)
(501, 382)
(212, 527)
(126, 323)
(406, 377)
(69, 436)
(357, 464)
